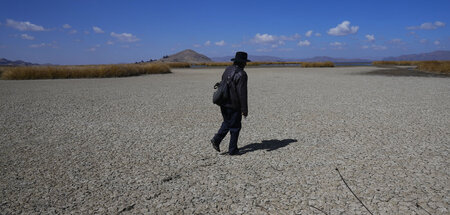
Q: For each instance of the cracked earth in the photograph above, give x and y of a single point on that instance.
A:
(140, 145)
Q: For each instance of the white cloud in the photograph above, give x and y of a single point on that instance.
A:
(66, 26)
(273, 39)
(343, 29)
(23, 26)
(26, 37)
(286, 49)
(97, 30)
(93, 49)
(263, 38)
(73, 31)
(197, 45)
(336, 44)
(437, 42)
(318, 34)
(308, 33)
(427, 26)
(423, 41)
(439, 24)
(263, 50)
(53, 45)
(220, 43)
(208, 43)
(378, 47)
(370, 37)
(109, 42)
(289, 38)
(396, 41)
(304, 43)
(125, 37)
(86, 32)
(38, 45)
(374, 47)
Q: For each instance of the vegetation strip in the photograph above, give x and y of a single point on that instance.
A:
(88, 71)
(262, 63)
(438, 67)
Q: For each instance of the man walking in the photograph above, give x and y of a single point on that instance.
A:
(236, 106)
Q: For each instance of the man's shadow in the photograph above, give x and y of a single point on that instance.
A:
(268, 145)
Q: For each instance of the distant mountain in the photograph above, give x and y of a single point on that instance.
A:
(6, 62)
(277, 59)
(253, 58)
(336, 60)
(436, 55)
(187, 55)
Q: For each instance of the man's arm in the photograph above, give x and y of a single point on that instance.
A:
(242, 92)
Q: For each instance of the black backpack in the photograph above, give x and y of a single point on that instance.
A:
(222, 94)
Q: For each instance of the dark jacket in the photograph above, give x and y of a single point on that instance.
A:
(238, 88)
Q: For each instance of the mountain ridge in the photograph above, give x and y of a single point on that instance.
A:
(6, 62)
(435, 55)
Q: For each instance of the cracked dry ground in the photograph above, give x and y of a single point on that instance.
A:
(140, 145)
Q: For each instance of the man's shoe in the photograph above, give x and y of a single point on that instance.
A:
(237, 152)
(215, 145)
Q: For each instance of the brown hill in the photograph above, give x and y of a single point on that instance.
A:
(188, 55)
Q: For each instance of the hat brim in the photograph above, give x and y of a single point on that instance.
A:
(234, 59)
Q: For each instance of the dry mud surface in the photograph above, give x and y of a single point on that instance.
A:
(140, 145)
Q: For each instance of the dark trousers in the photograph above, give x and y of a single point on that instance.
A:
(231, 122)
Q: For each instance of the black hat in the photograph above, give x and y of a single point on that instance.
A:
(240, 57)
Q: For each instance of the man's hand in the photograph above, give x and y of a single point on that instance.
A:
(245, 115)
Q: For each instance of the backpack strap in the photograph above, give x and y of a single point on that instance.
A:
(230, 78)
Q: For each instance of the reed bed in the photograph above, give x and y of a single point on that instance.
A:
(395, 63)
(271, 63)
(259, 63)
(317, 64)
(213, 64)
(439, 67)
(87, 71)
(178, 64)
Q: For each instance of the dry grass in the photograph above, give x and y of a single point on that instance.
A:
(213, 64)
(439, 67)
(317, 64)
(178, 64)
(2, 69)
(270, 63)
(88, 71)
(303, 64)
(395, 63)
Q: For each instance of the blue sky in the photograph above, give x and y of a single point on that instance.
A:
(98, 32)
